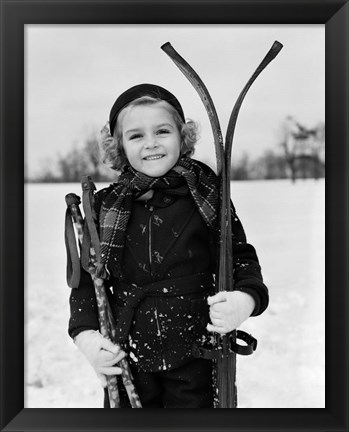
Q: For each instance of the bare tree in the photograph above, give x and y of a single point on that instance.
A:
(269, 166)
(241, 168)
(78, 161)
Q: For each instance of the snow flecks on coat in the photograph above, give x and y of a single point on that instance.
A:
(157, 220)
(168, 242)
(157, 257)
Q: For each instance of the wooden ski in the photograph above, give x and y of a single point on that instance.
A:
(225, 376)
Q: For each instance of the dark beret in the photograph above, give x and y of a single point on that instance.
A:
(138, 91)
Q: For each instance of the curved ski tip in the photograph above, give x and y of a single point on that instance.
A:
(165, 45)
(277, 46)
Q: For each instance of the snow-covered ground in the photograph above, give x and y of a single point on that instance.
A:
(286, 224)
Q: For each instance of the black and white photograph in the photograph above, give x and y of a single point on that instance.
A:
(184, 258)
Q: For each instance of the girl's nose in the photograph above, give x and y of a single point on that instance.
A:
(151, 142)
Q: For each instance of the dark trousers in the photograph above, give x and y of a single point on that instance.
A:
(189, 386)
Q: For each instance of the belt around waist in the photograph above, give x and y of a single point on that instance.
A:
(132, 295)
(167, 287)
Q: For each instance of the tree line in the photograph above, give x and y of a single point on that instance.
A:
(300, 153)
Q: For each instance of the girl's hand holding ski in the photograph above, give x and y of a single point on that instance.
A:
(228, 309)
(101, 353)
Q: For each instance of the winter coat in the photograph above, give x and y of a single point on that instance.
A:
(167, 242)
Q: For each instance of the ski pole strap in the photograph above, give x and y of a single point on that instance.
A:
(73, 260)
(235, 348)
(249, 348)
(87, 202)
(85, 249)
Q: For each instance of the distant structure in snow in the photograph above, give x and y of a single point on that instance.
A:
(304, 149)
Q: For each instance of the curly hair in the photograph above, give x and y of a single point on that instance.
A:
(113, 153)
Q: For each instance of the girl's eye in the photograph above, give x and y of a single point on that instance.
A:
(163, 131)
(135, 136)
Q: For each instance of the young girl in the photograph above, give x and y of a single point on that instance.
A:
(158, 231)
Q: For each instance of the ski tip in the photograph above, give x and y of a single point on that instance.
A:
(165, 45)
(277, 46)
(274, 51)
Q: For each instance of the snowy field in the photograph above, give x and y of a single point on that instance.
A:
(284, 221)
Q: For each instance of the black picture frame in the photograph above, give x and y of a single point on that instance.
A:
(14, 15)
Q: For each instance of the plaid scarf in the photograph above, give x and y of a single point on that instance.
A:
(116, 208)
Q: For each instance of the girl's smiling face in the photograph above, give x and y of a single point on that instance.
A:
(150, 138)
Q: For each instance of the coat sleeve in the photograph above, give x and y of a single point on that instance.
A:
(247, 271)
(83, 306)
(82, 300)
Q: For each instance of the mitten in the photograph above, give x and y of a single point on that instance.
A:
(101, 353)
(228, 310)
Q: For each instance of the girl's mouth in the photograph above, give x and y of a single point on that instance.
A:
(154, 157)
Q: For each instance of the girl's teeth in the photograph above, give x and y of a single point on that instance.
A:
(153, 157)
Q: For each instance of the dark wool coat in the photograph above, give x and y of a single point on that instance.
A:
(167, 241)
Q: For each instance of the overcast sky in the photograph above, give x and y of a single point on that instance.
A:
(74, 73)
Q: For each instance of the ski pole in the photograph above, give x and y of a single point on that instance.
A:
(106, 319)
